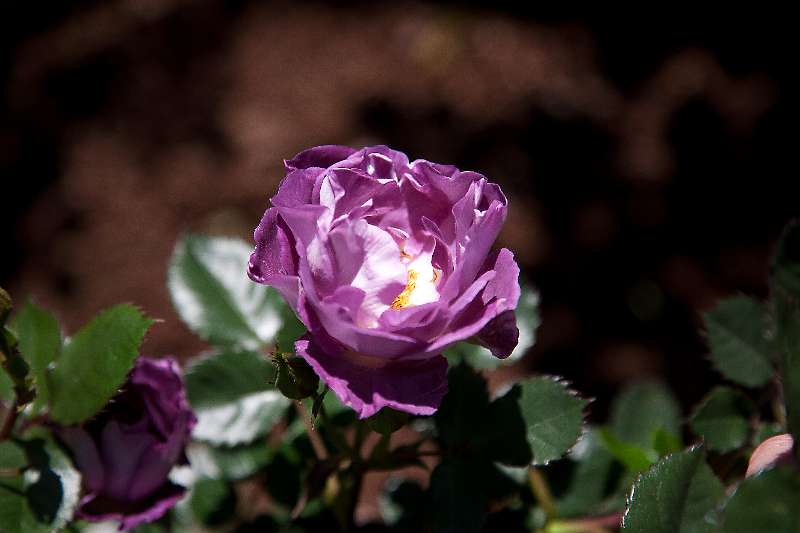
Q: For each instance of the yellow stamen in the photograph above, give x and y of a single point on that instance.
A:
(402, 299)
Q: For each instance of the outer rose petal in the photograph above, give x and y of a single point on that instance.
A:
(319, 156)
(368, 384)
(273, 261)
(501, 334)
(86, 456)
(94, 508)
(475, 310)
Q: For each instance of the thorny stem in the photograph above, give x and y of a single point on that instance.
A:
(316, 442)
(541, 491)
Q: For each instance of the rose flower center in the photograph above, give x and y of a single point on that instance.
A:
(421, 286)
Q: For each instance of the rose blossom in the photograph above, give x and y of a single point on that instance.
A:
(126, 452)
(387, 263)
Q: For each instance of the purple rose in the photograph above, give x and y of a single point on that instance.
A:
(126, 452)
(387, 263)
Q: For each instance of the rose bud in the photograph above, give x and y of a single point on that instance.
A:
(126, 452)
(388, 263)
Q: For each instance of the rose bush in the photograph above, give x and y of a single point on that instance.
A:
(126, 452)
(387, 263)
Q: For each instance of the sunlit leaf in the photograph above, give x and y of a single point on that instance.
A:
(213, 295)
(553, 416)
(95, 363)
(233, 396)
(679, 494)
(39, 341)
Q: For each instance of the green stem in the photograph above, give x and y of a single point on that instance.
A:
(541, 491)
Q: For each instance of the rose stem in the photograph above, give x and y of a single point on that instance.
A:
(541, 491)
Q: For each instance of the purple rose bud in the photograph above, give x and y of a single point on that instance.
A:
(126, 452)
(387, 262)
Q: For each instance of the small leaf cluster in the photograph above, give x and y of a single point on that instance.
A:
(755, 346)
(54, 379)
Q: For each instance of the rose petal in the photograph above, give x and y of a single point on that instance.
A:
(94, 508)
(368, 384)
(319, 156)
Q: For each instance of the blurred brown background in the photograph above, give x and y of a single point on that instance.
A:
(645, 156)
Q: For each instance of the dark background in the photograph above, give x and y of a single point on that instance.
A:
(649, 158)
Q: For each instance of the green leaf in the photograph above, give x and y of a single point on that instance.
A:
(469, 425)
(723, 419)
(295, 377)
(233, 396)
(12, 456)
(553, 415)
(504, 433)
(457, 496)
(240, 462)
(589, 483)
(212, 501)
(635, 458)
(212, 294)
(739, 349)
(640, 410)
(766, 502)
(677, 495)
(39, 341)
(528, 321)
(665, 443)
(6, 387)
(465, 403)
(95, 363)
(44, 498)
